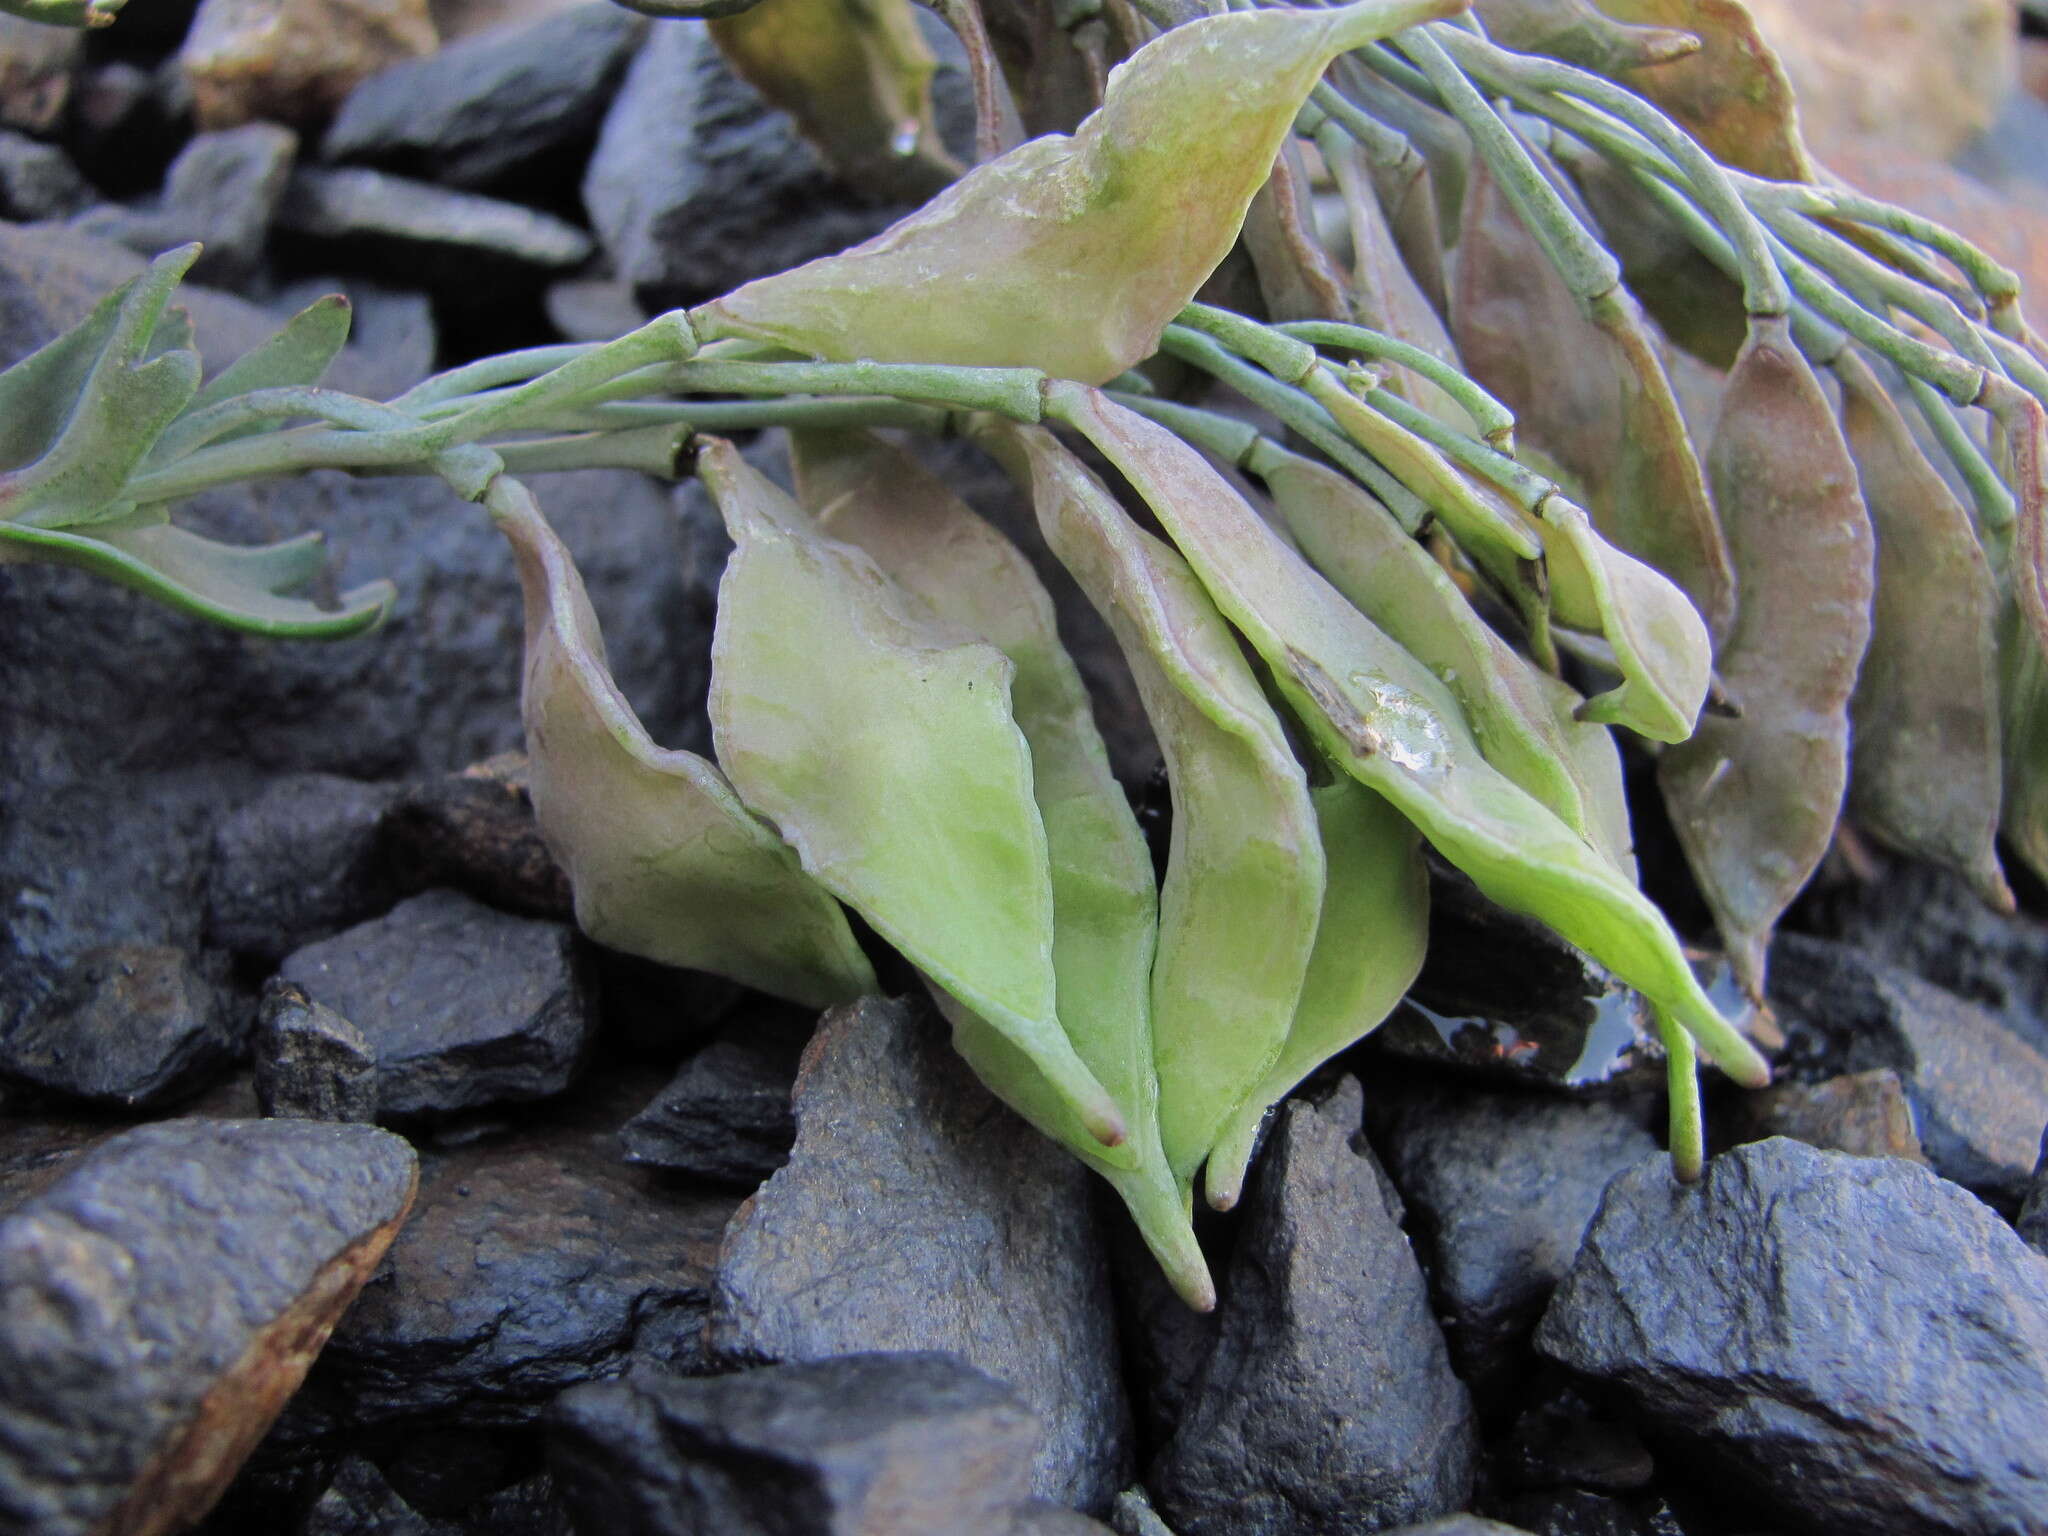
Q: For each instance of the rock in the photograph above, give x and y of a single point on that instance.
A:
(503, 103)
(1499, 1189)
(1038, 1517)
(1562, 1442)
(1865, 1114)
(475, 831)
(311, 1063)
(726, 1118)
(164, 1296)
(1328, 1402)
(36, 65)
(293, 61)
(1133, 1515)
(125, 126)
(916, 1213)
(1165, 1341)
(427, 234)
(532, 1263)
(130, 1026)
(359, 1502)
(861, 1445)
(298, 863)
(2032, 1221)
(2009, 156)
(1459, 1525)
(1979, 1093)
(697, 185)
(38, 181)
(1852, 1341)
(593, 308)
(464, 1007)
(1582, 1512)
(222, 189)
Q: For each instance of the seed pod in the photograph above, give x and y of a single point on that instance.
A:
(1755, 799)
(1297, 277)
(1925, 775)
(1574, 31)
(1592, 394)
(1244, 878)
(1072, 254)
(1389, 723)
(880, 743)
(664, 860)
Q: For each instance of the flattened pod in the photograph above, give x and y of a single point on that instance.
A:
(1755, 799)
(1244, 877)
(1072, 254)
(1105, 907)
(664, 860)
(1386, 720)
(1925, 774)
(1297, 277)
(1592, 394)
(880, 743)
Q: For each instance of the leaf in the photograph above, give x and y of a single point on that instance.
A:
(300, 353)
(1072, 254)
(1297, 277)
(1755, 799)
(880, 743)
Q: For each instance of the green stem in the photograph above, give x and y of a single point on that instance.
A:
(1233, 441)
(1011, 392)
(1682, 1080)
(1493, 419)
(1991, 496)
(489, 373)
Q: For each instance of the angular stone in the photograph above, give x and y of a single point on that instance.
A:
(1979, 1093)
(860, 1445)
(299, 862)
(464, 1006)
(2032, 1221)
(359, 1502)
(726, 1118)
(1851, 1341)
(1499, 1189)
(293, 61)
(492, 105)
(1865, 1114)
(38, 181)
(222, 189)
(311, 1063)
(1328, 1402)
(427, 234)
(164, 1297)
(131, 1026)
(475, 831)
(916, 1213)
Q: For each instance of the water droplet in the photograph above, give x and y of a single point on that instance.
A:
(904, 140)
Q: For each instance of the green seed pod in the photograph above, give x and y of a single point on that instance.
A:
(1072, 254)
(663, 859)
(880, 743)
(1755, 799)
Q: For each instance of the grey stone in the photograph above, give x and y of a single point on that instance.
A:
(475, 831)
(1459, 1525)
(1979, 1092)
(311, 1063)
(862, 1445)
(37, 63)
(464, 1006)
(491, 105)
(1165, 1340)
(592, 308)
(299, 862)
(1133, 1515)
(2032, 1221)
(1562, 1442)
(726, 1117)
(1499, 1188)
(222, 189)
(428, 234)
(1038, 1517)
(1328, 1402)
(163, 1297)
(360, 1502)
(916, 1213)
(1853, 1342)
(130, 1026)
(38, 180)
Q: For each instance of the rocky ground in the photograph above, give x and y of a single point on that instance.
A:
(295, 1035)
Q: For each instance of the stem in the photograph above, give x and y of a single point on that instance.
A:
(1233, 441)
(1991, 496)
(490, 372)
(1495, 420)
(1011, 392)
(1682, 1081)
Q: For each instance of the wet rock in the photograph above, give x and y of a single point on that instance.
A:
(475, 831)
(1979, 1093)
(298, 863)
(36, 65)
(726, 1117)
(129, 1026)
(697, 185)
(311, 1063)
(38, 181)
(164, 1296)
(1328, 1401)
(1865, 1114)
(222, 189)
(916, 1213)
(464, 1006)
(427, 234)
(908, 1444)
(1499, 1189)
(503, 103)
(293, 61)
(1852, 1341)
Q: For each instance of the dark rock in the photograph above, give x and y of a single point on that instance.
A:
(164, 1296)
(1979, 1093)
(222, 189)
(907, 1444)
(916, 1213)
(37, 1146)
(464, 1006)
(660, 1013)
(726, 1117)
(1133, 1515)
(124, 127)
(1165, 1340)
(1459, 1525)
(493, 105)
(37, 63)
(38, 181)
(2032, 1221)
(697, 185)
(1865, 1114)
(475, 831)
(1563, 1443)
(1582, 1512)
(359, 1502)
(130, 1026)
(298, 863)
(1328, 1402)
(424, 233)
(1037, 1517)
(311, 1063)
(1854, 1342)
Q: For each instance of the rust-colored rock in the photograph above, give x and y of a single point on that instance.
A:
(293, 60)
(1863, 1113)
